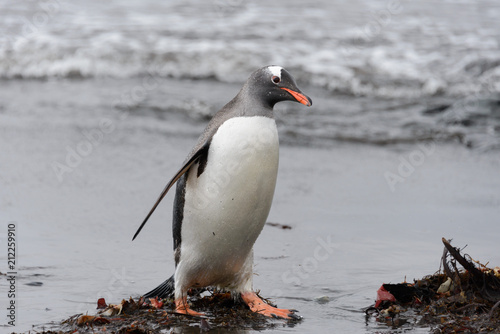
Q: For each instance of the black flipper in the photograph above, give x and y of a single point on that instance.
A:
(194, 158)
(164, 290)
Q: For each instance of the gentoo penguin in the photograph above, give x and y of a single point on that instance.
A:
(224, 193)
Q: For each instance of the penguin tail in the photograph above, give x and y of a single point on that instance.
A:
(164, 290)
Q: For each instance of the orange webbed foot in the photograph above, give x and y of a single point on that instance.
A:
(257, 305)
(182, 307)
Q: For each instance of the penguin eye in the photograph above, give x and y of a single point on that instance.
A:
(276, 79)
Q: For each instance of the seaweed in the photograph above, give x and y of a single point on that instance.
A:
(141, 316)
(454, 300)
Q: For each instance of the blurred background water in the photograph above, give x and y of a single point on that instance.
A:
(118, 91)
(432, 67)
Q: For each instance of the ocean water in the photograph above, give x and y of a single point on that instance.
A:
(411, 71)
(119, 91)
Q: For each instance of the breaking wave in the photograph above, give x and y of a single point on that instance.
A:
(389, 53)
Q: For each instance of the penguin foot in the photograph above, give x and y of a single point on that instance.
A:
(257, 305)
(182, 307)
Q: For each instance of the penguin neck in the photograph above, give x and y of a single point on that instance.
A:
(253, 103)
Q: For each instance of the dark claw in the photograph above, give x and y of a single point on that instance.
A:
(293, 310)
(295, 316)
(274, 316)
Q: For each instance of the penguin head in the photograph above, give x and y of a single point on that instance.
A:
(273, 84)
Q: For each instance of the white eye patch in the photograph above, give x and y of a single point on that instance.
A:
(275, 70)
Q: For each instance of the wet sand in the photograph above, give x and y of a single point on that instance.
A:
(350, 233)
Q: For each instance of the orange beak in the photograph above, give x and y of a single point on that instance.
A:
(299, 97)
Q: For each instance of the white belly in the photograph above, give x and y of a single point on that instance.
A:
(226, 207)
